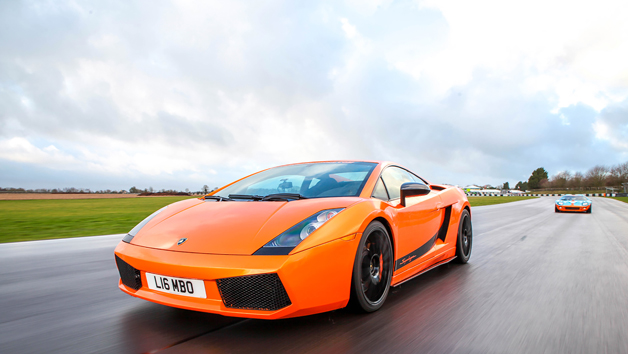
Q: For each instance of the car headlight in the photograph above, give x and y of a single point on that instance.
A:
(284, 243)
(585, 204)
(559, 203)
(128, 237)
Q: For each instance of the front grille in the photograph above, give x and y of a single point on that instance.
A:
(130, 276)
(572, 208)
(254, 292)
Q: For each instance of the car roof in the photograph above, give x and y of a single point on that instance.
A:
(329, 161)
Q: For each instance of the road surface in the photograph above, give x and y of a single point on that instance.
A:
(537, 282)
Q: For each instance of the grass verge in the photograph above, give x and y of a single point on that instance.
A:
(479, 201)
(26, 220)
(621, 199)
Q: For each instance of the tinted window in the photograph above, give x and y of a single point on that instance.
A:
(313, 180)
(573, 197)
(394, 177)
(379, 191)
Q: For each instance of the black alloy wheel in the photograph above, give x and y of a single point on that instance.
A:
(464, 243)
(372, 269)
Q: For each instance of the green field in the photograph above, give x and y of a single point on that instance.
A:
(25, 220)
(479, 201)
(621, 199)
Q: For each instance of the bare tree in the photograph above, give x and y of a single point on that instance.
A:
(577, 180)
(596, 176)
(544, 183)
(620, 173)
(560, 179)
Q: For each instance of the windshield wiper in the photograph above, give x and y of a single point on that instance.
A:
(245, 196)
(216, 197)
(284, 196)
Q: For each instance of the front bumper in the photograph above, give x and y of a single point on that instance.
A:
(575, 208)
(316, 280)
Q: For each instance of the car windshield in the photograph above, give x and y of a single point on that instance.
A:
(572, 197)
(310, 180)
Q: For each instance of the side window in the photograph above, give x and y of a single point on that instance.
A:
(394, 177)
(417, 178)
(379, 191)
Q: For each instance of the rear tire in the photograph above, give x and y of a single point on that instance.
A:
(464, 243)
(372, 269)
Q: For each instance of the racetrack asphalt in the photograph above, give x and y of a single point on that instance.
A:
(537, 282)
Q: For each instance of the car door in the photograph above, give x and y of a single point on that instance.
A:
(417, 223)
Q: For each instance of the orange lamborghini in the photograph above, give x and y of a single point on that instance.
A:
(296, 240)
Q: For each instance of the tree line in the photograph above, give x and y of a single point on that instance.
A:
(599, 176)
(69, 190)
(133, 190)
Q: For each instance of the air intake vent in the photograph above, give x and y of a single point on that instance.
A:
(130, 276)
(254, 292)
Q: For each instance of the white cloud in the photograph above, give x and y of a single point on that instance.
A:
(21, 150)
(461, 91)
(350, 30)
(578, 49)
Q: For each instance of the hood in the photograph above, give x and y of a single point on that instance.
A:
(573, 202)
(228, 227)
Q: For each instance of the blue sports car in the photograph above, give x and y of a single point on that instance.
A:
(576, 202)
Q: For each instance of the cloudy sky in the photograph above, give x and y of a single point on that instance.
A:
(178, 94)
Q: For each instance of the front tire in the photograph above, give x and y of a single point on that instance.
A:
(372, 269)
(556, 209)
(590, 210)
(464, 243)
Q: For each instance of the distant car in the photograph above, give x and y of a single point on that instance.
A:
(296, 240)
(577, 202)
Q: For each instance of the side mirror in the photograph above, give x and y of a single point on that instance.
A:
(412, 189)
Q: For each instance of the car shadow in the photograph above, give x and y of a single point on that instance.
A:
(152, 327)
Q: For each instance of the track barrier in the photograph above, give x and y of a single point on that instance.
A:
(545, 195)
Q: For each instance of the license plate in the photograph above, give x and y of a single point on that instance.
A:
(179, 286)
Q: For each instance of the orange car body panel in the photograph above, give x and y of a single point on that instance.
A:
(222, 236)
(573, 208)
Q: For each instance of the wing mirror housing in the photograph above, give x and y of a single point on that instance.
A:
(413, 189)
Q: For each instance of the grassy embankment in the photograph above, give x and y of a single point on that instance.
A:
(621, 199)
(25, 220)
(479, 201)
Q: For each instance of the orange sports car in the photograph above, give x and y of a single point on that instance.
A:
(296, 240)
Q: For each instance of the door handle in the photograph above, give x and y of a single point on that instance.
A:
(439, 206)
